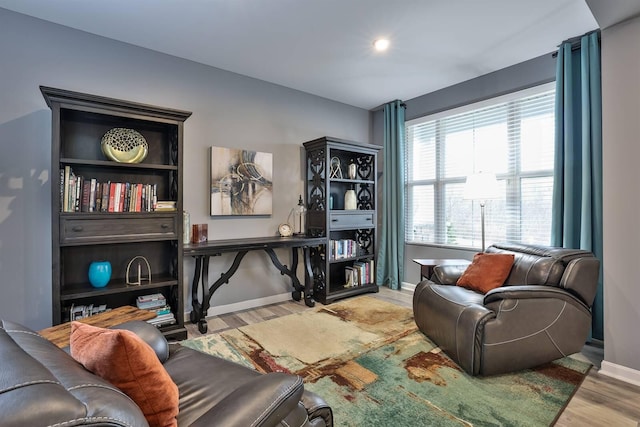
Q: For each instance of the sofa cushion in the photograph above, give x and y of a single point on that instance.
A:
(126, 361)
(486, 272)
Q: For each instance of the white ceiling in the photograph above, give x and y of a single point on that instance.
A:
(324, 47)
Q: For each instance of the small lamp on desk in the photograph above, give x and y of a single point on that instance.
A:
(481, 186)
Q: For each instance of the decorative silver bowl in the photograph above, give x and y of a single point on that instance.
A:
(124, 145)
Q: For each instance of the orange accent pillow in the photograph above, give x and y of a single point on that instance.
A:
(486, 272)
(126, 361)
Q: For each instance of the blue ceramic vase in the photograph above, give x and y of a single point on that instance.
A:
(99, 273)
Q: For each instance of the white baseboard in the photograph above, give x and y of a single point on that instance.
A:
(406, 286)
(244, 305)
(620, 372)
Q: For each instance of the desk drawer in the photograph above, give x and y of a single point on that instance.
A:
(347, 220)
(78, 231)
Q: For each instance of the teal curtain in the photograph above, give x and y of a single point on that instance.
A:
(577, 192)
(390, 268)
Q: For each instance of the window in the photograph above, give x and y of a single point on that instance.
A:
(511, 136)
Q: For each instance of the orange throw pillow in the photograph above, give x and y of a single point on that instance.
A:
(126, 361)
(486, 272)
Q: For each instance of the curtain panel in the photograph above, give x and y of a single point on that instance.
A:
(390, 265)
(577, 194)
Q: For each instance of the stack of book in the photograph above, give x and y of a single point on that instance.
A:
(157, 304)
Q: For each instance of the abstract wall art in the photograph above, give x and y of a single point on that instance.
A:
(241, 182)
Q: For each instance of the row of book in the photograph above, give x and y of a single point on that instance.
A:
(359, 274)
(79, 194)
(342, 249)
(157, 304)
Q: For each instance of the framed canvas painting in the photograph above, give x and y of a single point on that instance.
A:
(241, 182)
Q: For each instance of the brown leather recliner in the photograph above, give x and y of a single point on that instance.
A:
(541, 313)
(42, 385)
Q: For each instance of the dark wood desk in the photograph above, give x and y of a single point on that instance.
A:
(427, 264)
(203, 251)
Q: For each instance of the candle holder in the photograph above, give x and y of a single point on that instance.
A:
(141, 278)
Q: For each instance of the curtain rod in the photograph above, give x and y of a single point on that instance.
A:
(575, 42)
(381, 106)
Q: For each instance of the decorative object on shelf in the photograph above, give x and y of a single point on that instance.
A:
(350, 200)
(330, 201)
(285, 230)
(336, 169)
(299, 218)
(124, 145)
(140, 277)
(186, 227)
(199, 233)
(352, 170)
(99, 273)
(241, 182)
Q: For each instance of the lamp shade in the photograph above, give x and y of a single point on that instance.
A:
(481, 186)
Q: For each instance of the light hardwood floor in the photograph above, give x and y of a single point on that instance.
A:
(600, 400)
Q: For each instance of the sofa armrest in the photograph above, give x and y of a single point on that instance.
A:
(263, 402)
(531, 292)
(317, 409)
(149, 334)
(448, 274)
(469, 331)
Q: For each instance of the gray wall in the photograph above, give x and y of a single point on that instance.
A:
(228, 110)
(621, 151)
(517, 77)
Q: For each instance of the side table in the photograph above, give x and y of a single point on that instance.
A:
(427, 265)
(59, 334)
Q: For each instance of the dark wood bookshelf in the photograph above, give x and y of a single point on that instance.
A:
(333, 221)
(79, 121)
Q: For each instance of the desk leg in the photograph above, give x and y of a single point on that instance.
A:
(291, 273)
(196, 311)
(199, 311)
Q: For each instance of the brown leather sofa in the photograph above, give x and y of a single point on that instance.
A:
(42, 385)
(541, 313)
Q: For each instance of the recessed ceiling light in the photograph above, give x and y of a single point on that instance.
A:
(381, 44)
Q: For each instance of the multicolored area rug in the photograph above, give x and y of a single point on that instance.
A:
(365, 357)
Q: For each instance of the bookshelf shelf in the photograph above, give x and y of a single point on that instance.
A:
(127, 226)
(114, 165)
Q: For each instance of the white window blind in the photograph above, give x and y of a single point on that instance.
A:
(510, 136)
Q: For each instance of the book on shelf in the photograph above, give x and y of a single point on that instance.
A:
(153, 301)
(360, 273)
(163, 319)
(166, 205)
(165, 309)
(86, 196)
(150, 297)
(343, 249)
(80, 194)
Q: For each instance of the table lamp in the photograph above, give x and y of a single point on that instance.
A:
(481, 186)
